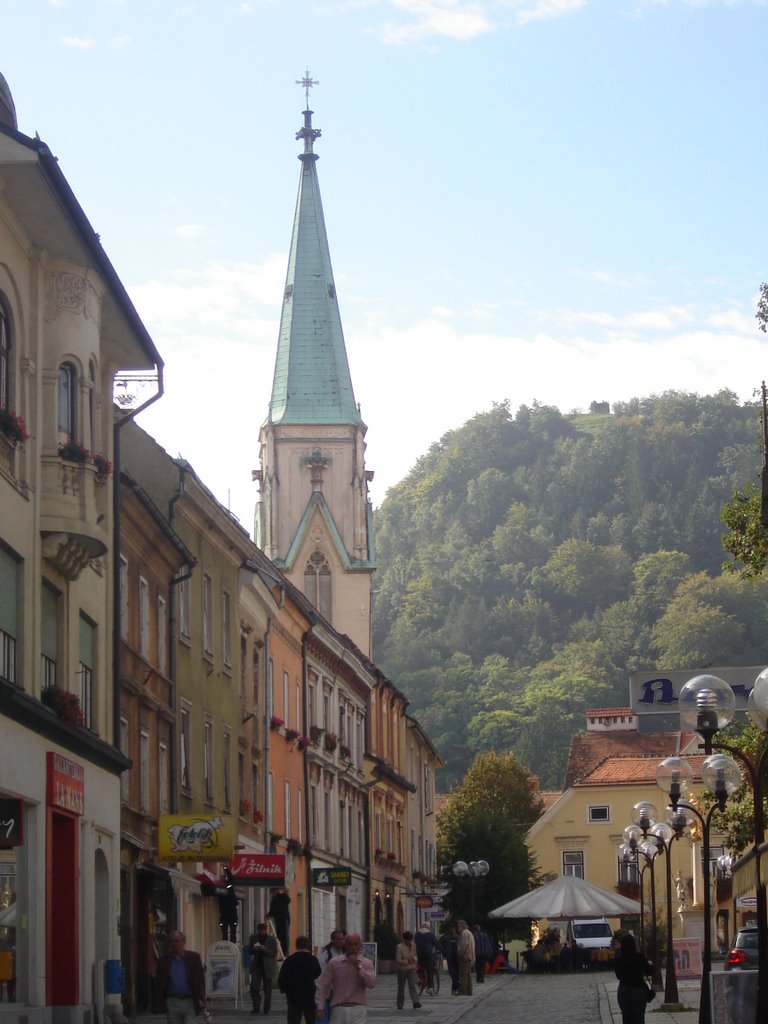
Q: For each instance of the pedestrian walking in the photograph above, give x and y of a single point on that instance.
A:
(466, 958)
(345, 981)
(179, 990)
(334, 948)
(632, 968)
(263, 967)
(449, 947)
(426, 947)
(296, 980)
(405, 964)
(483, 953)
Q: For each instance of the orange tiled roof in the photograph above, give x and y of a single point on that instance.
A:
(592, 712)
(630, 768)
(588, 749)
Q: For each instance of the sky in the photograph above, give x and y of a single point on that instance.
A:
(554, 201)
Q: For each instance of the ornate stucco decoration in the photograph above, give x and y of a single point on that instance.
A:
(69, 553)
(70, 293)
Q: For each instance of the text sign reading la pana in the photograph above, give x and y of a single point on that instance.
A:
(195, 837)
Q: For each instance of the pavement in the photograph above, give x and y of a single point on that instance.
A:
(586, 998)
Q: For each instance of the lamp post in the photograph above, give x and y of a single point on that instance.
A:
(644, 816)
(474, 870)
(707, 704)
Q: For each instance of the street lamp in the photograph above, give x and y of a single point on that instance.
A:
(644, 816)
(474, 870)
(720, 703)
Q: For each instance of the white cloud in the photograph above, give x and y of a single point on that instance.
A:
(77, 43)
(449, 19)
(190, 231)
(544, 10)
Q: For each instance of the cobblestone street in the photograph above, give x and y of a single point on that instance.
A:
(527, 998)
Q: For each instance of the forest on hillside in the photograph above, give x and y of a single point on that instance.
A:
(532, 560)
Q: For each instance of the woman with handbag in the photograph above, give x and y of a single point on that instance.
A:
(631, 970)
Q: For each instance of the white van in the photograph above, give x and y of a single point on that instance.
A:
(590, 932)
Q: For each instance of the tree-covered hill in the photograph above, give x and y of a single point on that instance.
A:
(531, 561)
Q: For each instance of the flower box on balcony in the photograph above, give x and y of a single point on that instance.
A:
(13, 427)
(330, 742)
(64, 704)
(243, 808)
(74, 452)
(275, 723)
(294, 847)
(292, 734)
(257, 817)
(304, 742)
(315, 733)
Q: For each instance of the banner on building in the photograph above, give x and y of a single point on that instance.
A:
(65, 783)
(258, 868)
(11, 822)
(657, 693)
(325, 877)
(195, 837)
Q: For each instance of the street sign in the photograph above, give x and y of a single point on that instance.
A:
(331, 876)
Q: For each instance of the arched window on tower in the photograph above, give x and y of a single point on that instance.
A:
(317, 582)
(5, 358)
(66, 402)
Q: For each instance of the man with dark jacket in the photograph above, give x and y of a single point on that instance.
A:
(263, 967)
(297, 981)
(179, 982)
(426, 948)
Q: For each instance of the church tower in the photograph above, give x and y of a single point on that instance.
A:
(314, 517)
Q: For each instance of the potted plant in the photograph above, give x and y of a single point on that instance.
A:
(345, 751)
(294, 847)
(64, 704)
(71, 451)
(315, 732)
(257, 816)
(391, 856)
(330, 742)
(275, 837)
(378, 852)
(292, 734)
(244, 808)
(275, 723)
(13, 427)
(304, 742)
(103, 466)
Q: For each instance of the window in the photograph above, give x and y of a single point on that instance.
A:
(328, 816)
(298, 707)
(185, 617)
(143, 617)
(207, 614)
(163, 778)
(185, 748)
(286, 699)
(312, 702)
(300, 805)
(270, 689)
(254, 785)
(628, 873)
(343, 829)
(287, 810)
(342, 724)
(226, 629)
(208, 760)
(92, 404)
(600, 813)
(144, 778)
(269, 824)
(317, 582)
(573, 863)
(227, 771)
(66, 402)
(313, 812)
(5, 358)
(49, 635)
(85, 669)
(123, 597)
(125, 749)
(162, 635)
(241, 777)
(9, 603)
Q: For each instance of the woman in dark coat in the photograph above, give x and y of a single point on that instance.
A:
(631, 970)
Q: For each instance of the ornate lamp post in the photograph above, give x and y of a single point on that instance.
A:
(707, 704)
(644, 816)
(474, 870)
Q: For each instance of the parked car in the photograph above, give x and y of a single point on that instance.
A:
(743, 955)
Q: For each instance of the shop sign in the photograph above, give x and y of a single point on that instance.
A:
(195, 837)
(324, 877)
(654, 693)
(258, 868)
(11, 822)
(747, 902)
(65, 783)
(424, 901)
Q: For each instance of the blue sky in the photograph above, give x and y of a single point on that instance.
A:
(552, 200)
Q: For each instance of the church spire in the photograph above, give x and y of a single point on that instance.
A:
(312, 383)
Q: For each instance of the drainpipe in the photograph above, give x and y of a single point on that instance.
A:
(307, 803)
(116, 511)
(174, 582)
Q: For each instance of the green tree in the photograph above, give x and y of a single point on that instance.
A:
(487, 817)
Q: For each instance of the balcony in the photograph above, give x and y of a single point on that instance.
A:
(74, 504)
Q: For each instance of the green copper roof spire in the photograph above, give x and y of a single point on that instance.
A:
(312, 383)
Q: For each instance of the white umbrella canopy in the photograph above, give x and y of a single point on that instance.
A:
(568, 897)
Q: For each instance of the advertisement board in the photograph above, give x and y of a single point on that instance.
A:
(195, 837)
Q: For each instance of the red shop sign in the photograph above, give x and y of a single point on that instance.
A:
(65, 783)
(258, 868)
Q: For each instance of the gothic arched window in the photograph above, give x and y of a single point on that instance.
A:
(317, 582)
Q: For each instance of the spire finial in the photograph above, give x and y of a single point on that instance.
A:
(307, 82)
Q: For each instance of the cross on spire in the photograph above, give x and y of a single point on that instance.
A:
(307, 82)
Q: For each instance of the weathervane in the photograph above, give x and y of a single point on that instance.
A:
(306, 83)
